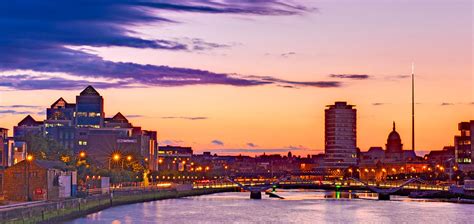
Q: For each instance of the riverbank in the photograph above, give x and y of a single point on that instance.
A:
(58, 211)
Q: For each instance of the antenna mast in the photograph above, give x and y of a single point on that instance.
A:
(413, 106)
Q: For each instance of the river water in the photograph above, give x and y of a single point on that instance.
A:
(308, 206)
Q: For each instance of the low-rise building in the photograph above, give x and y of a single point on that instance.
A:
(174, 158)
(33, 180)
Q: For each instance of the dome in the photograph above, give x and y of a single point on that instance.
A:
(394, 136)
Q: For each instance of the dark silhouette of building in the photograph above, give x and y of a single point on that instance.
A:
(340, 136)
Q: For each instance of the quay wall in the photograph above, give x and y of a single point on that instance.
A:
(57, 211)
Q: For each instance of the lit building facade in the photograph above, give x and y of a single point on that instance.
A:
(174, 158)
(377, 163)
(463, 146)
(89, 109)
(340, 136)
(83, 128)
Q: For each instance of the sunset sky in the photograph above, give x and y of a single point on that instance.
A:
(241, 76)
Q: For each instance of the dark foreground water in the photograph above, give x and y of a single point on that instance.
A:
(297, 207)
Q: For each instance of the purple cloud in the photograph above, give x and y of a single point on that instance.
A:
(171, 142)
(446, 104)
(21, 106)
(378, 104)
(16, 112)
(288, 54)
(34, 40)
(251, 145)
(350, 76)
(217, 142)
(186, 118)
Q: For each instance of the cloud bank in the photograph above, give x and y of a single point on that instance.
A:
(47, 37)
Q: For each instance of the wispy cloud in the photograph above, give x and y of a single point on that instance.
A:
(350, 76)
(288, 54)
(134, 116)
(217, 142)
(186, 118)
(296, 148)
(21, 106)
(378, 104)
(16, 112)
(446, 104)
(251, 145)
(396, 77)
(171, 142)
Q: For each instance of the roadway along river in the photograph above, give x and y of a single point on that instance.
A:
(298, 207)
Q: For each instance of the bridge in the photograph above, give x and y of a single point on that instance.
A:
(384, 193)
(384, 189)
(256, 191)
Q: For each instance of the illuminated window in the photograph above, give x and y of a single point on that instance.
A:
(81, 114)
(82, 142)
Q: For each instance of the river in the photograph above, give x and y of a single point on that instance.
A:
(299, 206)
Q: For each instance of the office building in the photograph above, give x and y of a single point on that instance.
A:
(340, 136)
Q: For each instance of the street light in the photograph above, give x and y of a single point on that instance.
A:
(129, 158)
(82, 154)
(29, 158)
(115, 157)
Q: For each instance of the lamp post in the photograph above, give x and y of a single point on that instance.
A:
(115, 157)
(129, 158)
(29, 158)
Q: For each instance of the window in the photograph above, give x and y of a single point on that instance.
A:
(82, 142)
(33, 174)
(81, 114)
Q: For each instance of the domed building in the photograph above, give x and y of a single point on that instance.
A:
(376, 163)
(394, 146)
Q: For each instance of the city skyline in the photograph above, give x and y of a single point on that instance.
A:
(311, 66)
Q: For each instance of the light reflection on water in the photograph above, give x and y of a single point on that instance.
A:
(299, 206)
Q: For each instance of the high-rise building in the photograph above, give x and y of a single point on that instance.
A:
(59, 123)
(340, 136)
(463, 146)
(89, 109)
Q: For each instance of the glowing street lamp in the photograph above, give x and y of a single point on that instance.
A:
(29, 158)
(82, 154)
(129, 158)
(115, 157)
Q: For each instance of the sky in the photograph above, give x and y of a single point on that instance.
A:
(241, 76)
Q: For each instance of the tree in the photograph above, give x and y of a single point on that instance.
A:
(45, 148)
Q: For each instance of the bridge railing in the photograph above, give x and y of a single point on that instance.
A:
(348, 183)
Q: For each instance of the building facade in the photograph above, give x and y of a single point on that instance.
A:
(463, 146)
(174, 158)
(83, 128)
(33, 180)
(340, 136)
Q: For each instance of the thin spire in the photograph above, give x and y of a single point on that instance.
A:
(393, 125)
(413, 106)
